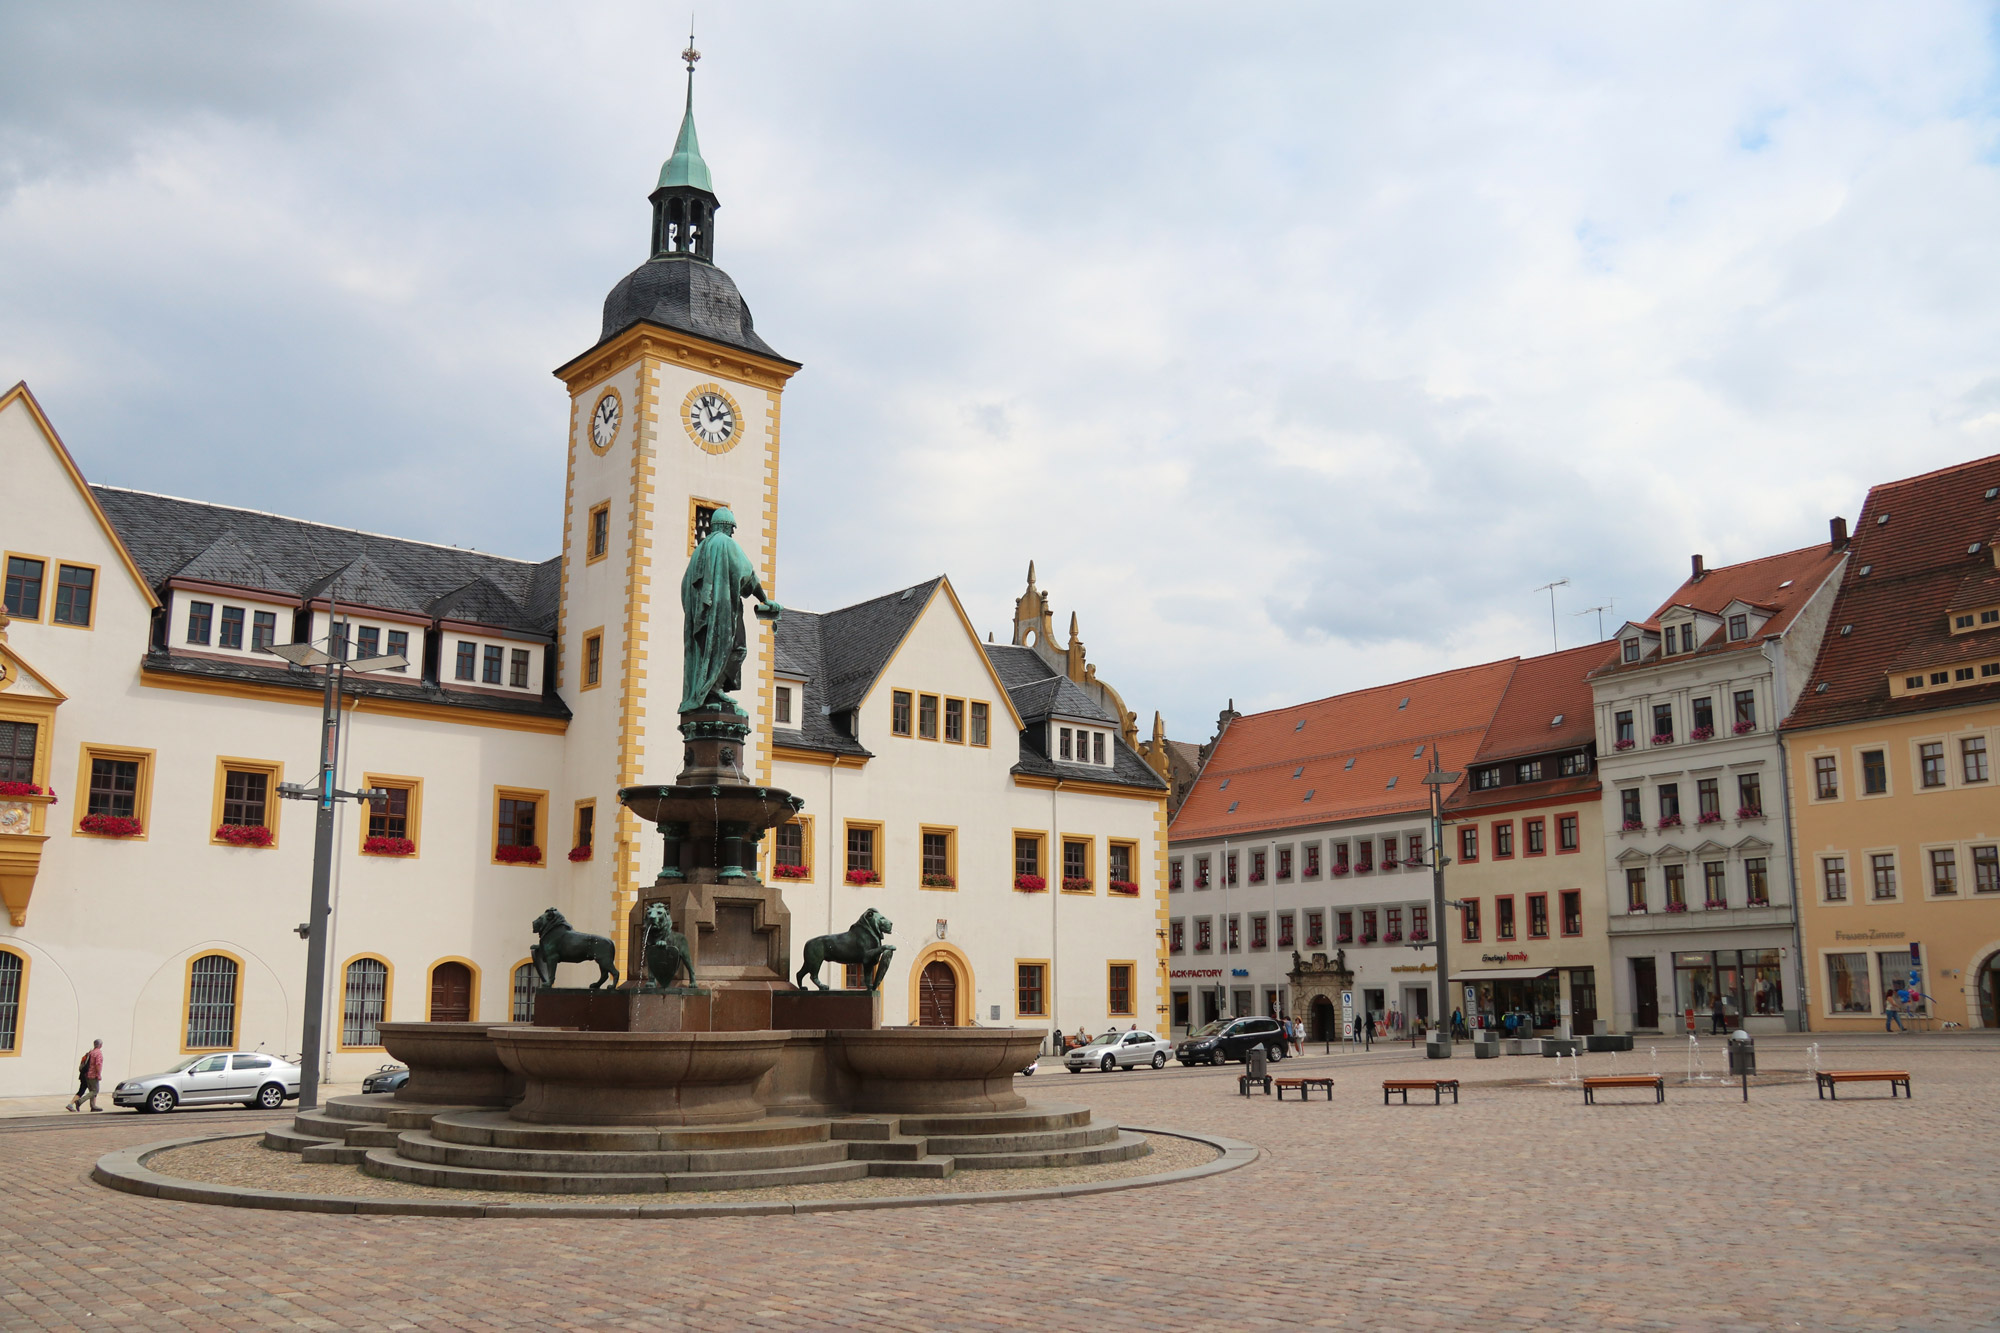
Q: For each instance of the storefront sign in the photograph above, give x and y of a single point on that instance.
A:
(1871, 934)
(1415, 967)
(1197, 972)
(1239, 971)
(1503, 958)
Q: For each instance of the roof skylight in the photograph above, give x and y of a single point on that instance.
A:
(1392, 782)
(1350, 763)
(1299, 772)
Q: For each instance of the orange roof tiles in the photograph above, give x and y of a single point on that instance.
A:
(1346, 750)
(1780, 583)
(1543, 689)
(1914, 538)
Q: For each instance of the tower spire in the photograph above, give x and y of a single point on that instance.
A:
(684, 202)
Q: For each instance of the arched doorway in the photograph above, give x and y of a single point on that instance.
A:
(1323, 1020)
(1989, 993)
(937, 995)
(451, 993)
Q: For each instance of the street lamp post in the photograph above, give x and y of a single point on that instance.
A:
(1437, 780)
(335, 666)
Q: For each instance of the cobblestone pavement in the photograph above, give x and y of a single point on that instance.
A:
(1519, 1209)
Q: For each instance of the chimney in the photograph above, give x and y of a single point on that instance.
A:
(1699, 572)
(1838, 530)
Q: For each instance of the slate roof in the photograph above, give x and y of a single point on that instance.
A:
(687, 294)
(1040, 692)
(798, 639)
(1380, 730)
(294, 558)
(1779, 583)
(373, 686)
(1914, 538)
(856, 642)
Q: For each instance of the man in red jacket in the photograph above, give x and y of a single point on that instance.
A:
(89, 1071)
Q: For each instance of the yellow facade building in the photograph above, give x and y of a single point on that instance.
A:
(1889, 759)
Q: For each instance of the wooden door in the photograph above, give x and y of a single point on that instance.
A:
(937, 995)
(1645, 994)
(451, 993)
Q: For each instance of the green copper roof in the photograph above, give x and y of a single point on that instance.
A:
(685, 167)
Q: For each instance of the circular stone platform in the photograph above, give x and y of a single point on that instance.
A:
(127, 1170)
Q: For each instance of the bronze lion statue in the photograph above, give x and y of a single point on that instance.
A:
(860, 944)
(559, 942)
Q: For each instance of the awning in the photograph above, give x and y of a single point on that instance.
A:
(1502, 974)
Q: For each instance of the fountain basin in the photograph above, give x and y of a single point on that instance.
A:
(451, 1064)
(638, 1078)
(760, 807)
(916, 1071)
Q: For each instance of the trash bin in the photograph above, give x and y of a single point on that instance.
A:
(1255, 1062)
(1742, 1054)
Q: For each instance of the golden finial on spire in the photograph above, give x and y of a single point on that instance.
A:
(690, 55)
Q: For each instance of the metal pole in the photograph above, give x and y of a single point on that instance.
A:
(310, 1053)
(1437, 906)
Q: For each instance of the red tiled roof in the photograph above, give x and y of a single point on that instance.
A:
(1542, 689)
(1761, 583)
(1912, 538)
(1259, 753)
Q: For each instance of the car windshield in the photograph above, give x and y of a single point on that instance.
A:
(1210, 1030)
(185, 1065)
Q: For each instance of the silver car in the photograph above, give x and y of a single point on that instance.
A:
(254, 1078)
(1119, 1050)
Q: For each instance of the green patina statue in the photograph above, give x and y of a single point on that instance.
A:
(666, 949)
(860, 944)
(719, 576)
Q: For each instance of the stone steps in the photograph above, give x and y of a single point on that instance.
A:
(1121, 1149)
(293, 1140)
(1034, 1119)
(389, 1165)
(425, 1147)
(886, 1150)
(1050, 1140)
(930, 1167)
(339, 1154)
(494, 1129)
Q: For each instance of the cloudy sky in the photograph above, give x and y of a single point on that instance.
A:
(1297, 344)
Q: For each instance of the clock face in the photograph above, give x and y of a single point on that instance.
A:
(604, 422)
(711, 418)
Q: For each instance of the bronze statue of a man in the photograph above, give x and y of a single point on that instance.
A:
(719, 576)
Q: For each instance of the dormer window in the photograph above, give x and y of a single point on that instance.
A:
(1739, 627)
(1631, 649)
(1528, 772)
(781, 706)
(1486, 778)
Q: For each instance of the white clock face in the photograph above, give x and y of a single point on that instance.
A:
(604, 421)
(711, 419)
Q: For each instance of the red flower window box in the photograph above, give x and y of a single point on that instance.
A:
(519, 856)
(1636, 909)
(1344, 939)
(1125, 886)
(111, 826)
(1367, 939)
(1744, 728)
(1338, 868)
(1622, 745)
(1393, 937)
(1030, 883)
(1710, 817)
(1749, 812)
(244, 835)
(582, 853)
(1715, 905)
(935, 881)
(1256, 878)
(1663, 738)
(782, 871)
(1677, 907)
(383, 846)
(1419, 936)
(1071, 885)
(1670, 821)
(19, 789)
(864, 877)
(1634, 825)
(1364, 868)
(1701, 733)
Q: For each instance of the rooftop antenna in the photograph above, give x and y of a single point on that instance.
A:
(1550, 588)
(1600, 614)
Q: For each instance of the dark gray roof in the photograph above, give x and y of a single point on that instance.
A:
(684, 293)
(1040, 692)
(369, 686)
(294, 558)
(856, 642)
(798, 639)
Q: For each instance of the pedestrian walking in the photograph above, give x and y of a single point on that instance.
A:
(89, 1073)
(1368, 1031)
(1715, 1018)
(1892, 1013)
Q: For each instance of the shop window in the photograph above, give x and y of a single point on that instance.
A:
(364, 1003)
(13, 985)
(1468, 918)
(1635, 889)
(1874, 772)
(211, 1002)
(1468, 843)
(1833, 875)
(1572, 910)
(1538, 916)
(1847, 988)
(1534, 833)
(1882, 875)
(1826, 777)
(927, 717)
(954, 721)
(1944, 870)
(1118, 988)
(1503, 918)
(900, 703)
(1503, 840)
(1030, 994)
(24, 587)
(980, 734)
(1566, 833)
(76, 586)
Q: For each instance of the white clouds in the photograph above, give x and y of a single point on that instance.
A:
(1296, 349)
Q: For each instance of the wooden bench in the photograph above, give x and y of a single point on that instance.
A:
(1243, 1082)
(1437, 1087)
(1304, 1087)
(1654, 1081)
(1831, 1079)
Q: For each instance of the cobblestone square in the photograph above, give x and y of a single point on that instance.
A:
(1520, 1208)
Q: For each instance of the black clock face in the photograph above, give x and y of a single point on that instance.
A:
(711, 419)
(604, 421)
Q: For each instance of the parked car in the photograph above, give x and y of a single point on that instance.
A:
(1119, 1050)
(386, 1079)
(1231, 1039)
(253, 1078)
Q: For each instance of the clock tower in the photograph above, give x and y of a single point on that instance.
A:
(674, 413)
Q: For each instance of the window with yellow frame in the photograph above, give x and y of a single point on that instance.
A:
(864, 852)
(1031, 988)
(937, 856)
(245, 811)
(75, 600)
(28, 579)
(597, 533)
(520, 821)
(1079, 854)
(593, 658)
(1029, 873)
(1121, 869)
(395, 822)
(1119, 975)
(792, 850)
(115, 787)
(700, 513)
(583, 830)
